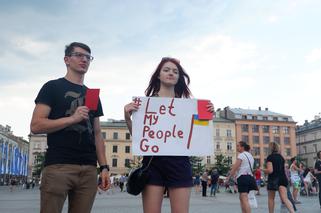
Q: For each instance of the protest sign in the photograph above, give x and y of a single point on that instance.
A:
(171, 126)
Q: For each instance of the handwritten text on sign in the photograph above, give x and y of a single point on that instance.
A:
(170, 126)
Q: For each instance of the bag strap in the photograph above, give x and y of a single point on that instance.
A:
(249, 163)
(150, 160)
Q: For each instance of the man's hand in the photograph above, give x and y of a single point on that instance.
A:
(80, 114)
(105, 180)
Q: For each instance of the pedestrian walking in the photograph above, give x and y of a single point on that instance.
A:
(243, 170)
(277, 180)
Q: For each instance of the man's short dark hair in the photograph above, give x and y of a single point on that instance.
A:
(70, 48)
(318, 154)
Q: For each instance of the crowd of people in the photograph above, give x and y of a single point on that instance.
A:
(289, 181)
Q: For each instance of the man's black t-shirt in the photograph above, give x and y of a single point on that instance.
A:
(74, 144)
(278, 166)
(317, 166)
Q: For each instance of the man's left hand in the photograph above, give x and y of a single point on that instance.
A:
(105, 180)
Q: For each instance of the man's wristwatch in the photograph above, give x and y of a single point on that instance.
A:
(102, 167)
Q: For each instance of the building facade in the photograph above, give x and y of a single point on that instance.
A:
(308, 138)
(224, 141)
(37, 146)
(259, 127)
(13, 156)
(118, 146)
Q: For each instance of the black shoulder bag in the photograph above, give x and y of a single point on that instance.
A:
(137, 179)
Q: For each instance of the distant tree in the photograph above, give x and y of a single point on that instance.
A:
(38, 164)
(197, 166)
(222, 164)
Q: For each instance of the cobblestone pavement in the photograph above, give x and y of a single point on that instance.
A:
(27, 201)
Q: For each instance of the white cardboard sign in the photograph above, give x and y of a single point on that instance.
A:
(170, 126)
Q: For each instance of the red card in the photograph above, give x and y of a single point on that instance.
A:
(203, 114)
(92, 98)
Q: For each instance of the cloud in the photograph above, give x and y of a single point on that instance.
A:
(313, 56)
(273, 19)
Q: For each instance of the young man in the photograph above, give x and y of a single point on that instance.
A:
(73, 136)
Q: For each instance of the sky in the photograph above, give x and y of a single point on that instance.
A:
(242, 54)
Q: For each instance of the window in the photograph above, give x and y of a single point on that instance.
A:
(315, 147)
(127, 136)
(244, 117)
(275, 118)
(256, 139)
(114, 162)
(229, 133)
(245, 127)
(103, 135)
(276, 129)
(286, 119)
(286, 140)
(266, 129)
(255, 128)
(127, 149)
(256, 150)
(276, 140)
(304, 149)
(115, 149)
(286, 130)
(217, 132)
(127, 162)
(254, 117)
(218, 145)
(208, 159)
(288, 151)
(245, 138)
(256, 162)
(266, 151)
(229, 146)
(115, 135)
(265, 118)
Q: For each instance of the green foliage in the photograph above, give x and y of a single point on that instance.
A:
(222, 164)
(39, 164)
(197, 167)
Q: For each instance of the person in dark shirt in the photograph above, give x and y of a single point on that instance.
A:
(277, 180)
(73, 136)
(214, 178)
(317, 172)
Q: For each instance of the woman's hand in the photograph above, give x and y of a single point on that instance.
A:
(129, 108)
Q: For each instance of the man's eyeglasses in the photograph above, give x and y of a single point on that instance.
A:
(170, 59)
(81, 55)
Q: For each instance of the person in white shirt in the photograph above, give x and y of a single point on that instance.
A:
(242, 168)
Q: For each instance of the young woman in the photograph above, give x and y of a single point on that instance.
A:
(295, 179)
(308, 179)
(169, 80)
(243, 170)
(277, 180)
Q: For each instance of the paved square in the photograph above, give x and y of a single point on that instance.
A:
(27, 201)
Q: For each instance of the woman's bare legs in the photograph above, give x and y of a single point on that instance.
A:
(153, 198)
(179, 199)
